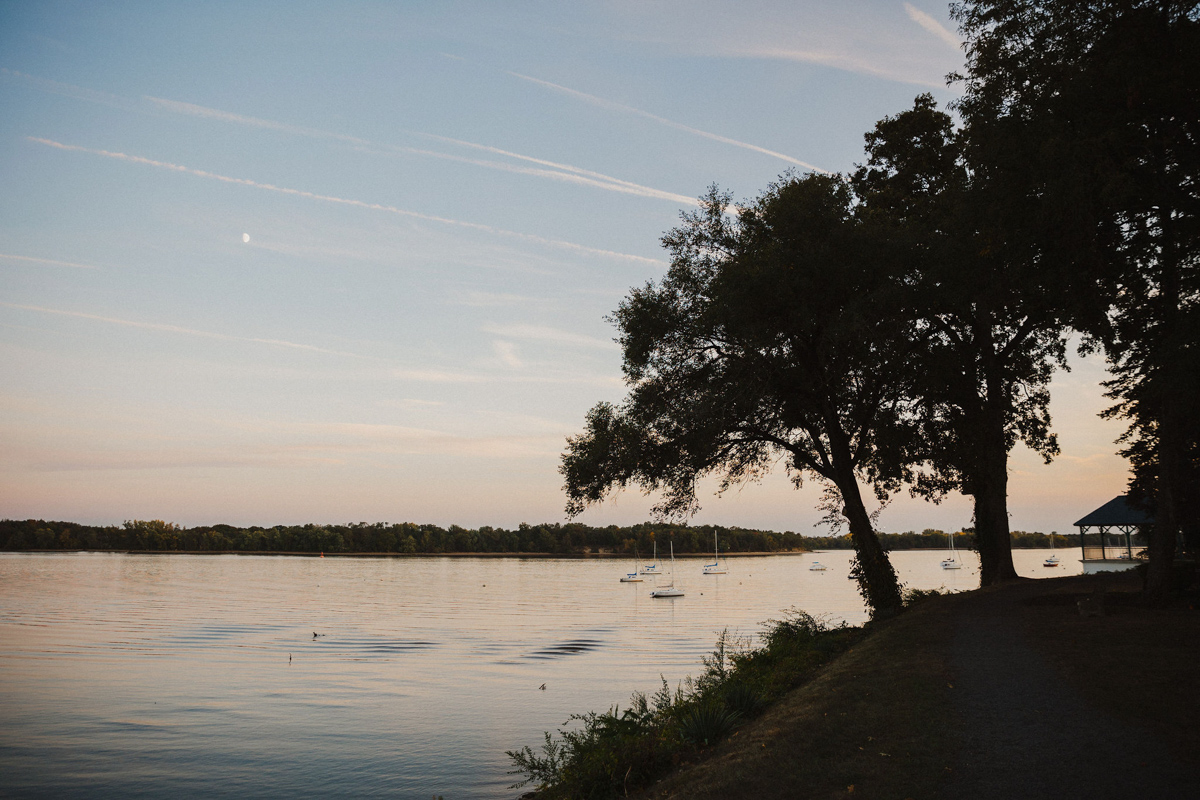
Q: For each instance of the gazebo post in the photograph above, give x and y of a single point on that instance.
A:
(1117, 516)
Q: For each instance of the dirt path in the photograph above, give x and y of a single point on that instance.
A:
(1001, 693)
(1027, 733)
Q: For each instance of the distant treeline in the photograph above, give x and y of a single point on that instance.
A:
(935, 539)
(380, 537)
(411, 538)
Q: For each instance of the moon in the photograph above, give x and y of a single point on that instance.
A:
(245, 237)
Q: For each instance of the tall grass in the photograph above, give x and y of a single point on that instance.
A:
(608, 754)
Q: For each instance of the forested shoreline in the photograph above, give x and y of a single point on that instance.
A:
(408, 538)
(381, 537)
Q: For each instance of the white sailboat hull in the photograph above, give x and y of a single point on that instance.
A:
(669, 591)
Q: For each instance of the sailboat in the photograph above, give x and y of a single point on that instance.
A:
(633, 577)
(669, 590)
(951, 561)
(1052, 561)
(715, 568)
(655, 568)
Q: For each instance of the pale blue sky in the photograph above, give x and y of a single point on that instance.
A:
(442, 202)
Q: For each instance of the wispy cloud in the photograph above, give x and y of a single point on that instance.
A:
(577, 176)
(605, 181)
(932, 25)
(403, 373)
(437, 376)
(559, 172)
(501, 300)
(870, 39)
(507, 353)
(191, 109)
(412, 402)
(836, 60)
(521, 330)
(49, 261)
(614, 106)
(401, 440)
(564, 173)
(156, 326)
(68, 90)
(525, 237)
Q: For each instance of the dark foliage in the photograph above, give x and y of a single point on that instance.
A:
(613, 753)
(1090, 109)
(772, 338)
(379, 537)
(988, 310)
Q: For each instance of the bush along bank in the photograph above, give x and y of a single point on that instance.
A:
(613, 753)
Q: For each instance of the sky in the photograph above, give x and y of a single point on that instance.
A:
(275, 263)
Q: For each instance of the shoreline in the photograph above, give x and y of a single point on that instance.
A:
(309, 554)
(609, 556)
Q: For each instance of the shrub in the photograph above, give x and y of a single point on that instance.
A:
(612, 753)
(707, 722)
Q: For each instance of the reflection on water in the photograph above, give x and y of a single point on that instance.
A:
(138, 675)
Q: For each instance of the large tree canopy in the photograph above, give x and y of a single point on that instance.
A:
(1091, 111)
(772, 336)
(992, 331)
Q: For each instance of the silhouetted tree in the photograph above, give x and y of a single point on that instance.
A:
(988, 310)
(772, 335)
(1091, 109)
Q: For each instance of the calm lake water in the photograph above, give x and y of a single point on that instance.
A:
(140, 675)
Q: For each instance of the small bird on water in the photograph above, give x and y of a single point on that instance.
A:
(542, 687)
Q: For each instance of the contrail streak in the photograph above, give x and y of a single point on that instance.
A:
(526, 237)
(932, 25)
(589, 177)
(576, 175)
(49, 261)
(254, 122)
(565, 167)
(68, 90)
(614, 106)
(155, 326)
(599, 180)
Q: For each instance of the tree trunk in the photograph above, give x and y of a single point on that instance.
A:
(992, 536)
(1165, 385)
(877, 580)
(1166, 501)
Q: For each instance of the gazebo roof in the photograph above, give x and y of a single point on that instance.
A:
(1117, 511)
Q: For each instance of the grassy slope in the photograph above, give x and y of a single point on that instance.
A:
(877, 720)
(893, 694)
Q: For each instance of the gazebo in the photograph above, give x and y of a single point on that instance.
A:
(1117, 539)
